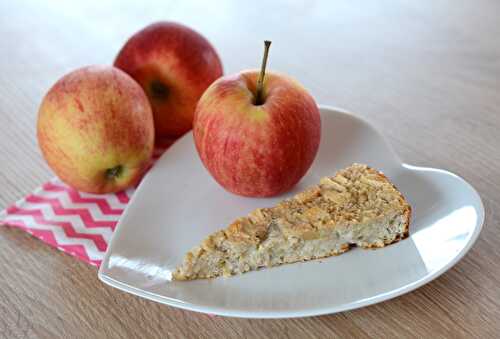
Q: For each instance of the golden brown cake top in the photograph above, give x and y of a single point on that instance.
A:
(357, 194)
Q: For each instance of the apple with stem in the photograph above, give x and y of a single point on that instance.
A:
(257, 133)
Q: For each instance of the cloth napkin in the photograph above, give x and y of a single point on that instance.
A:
(80, 224)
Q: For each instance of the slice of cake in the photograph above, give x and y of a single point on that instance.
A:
(358, 206)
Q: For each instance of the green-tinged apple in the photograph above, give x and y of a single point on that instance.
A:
(174, 65)
(257, 133)
(95, 129)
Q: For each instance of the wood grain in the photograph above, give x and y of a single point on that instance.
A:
(425, 73)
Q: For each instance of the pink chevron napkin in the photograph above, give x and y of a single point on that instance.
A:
(80, 224)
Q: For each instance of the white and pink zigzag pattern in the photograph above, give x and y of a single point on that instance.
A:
(80, 224)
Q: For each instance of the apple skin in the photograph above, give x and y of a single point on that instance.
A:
(95, 129)
(174, 65)
(257, 150)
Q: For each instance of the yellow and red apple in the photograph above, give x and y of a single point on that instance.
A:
(95, 129)
(174, 65)
(253, 144)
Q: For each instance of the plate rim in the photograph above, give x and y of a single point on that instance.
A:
(313, 311)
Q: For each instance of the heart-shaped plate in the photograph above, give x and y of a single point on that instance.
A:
(178, 204)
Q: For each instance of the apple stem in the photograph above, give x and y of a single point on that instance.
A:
(260, 82)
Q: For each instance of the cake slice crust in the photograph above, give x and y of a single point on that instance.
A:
(358, 206)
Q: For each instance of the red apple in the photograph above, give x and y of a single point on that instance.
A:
(95, 129)
(253, 144)
(174, 65)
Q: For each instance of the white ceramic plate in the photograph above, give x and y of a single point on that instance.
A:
(178, 204)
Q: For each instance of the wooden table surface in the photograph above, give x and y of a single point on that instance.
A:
(425, 73)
